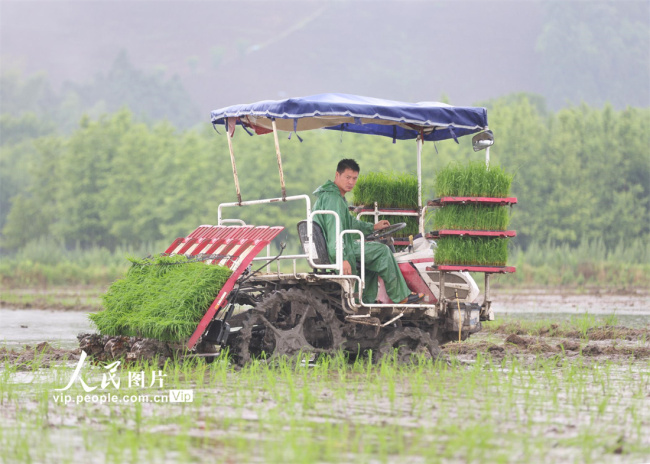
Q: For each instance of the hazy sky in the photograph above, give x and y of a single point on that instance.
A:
(230, 52)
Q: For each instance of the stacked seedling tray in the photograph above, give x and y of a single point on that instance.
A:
(472, 217)
(390, 196)
(162, 298)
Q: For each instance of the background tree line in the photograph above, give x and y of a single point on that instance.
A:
(581, 173)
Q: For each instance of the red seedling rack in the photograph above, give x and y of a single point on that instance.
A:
(473, 233)
(473, 268)
(464, 200)
(236, 245)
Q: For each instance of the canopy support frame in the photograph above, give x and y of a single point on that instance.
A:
(420, 140)
(279, 156)
(234, 167)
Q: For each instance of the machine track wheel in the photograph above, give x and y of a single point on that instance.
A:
(407, 343)
(288, 322)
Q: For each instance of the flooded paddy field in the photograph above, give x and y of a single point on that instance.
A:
(534, 386)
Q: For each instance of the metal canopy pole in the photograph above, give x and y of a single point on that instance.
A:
(420, 211)
(234, 168)
(277, 152)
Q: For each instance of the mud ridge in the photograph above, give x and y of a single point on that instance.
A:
(517, 346)
(104, 348)
(41, 355)
(555, 330)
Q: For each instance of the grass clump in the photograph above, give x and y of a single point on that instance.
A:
(389, 190)
(162, 298)
(472, 180)
(471, 217)
(479, 251)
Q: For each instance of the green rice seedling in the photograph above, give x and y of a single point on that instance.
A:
(162, 298)
(611, 320)
(507, 408)
(471, 217)
(480, 251)
(472, 180)
(583, 323)
(389, 190)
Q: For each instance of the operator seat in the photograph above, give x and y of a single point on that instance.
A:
(319, 246)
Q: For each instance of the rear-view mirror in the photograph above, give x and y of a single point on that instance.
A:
(483, 140)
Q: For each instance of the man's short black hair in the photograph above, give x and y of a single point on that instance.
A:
(347, 164)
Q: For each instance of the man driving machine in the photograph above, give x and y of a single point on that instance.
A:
(379, 260)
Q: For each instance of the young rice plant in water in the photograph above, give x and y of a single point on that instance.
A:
(162, 298)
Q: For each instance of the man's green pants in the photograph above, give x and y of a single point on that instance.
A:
(380, 262)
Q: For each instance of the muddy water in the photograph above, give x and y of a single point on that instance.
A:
(632, 309)
(32, 326)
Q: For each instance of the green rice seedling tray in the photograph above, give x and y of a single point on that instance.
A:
(472, 180)
(472, 216)
(390, 192)
(479, 251)
(163, 298)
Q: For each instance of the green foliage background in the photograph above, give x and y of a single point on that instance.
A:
(580, 173)
(119, 181)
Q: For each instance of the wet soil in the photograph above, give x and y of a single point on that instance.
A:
(527, 347)
(42, 355)
(507, 341)
(606, 332)
(99, 348)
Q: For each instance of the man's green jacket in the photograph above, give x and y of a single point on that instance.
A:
(330, 198)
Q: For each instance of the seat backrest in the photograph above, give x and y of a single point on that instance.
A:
(319, 246)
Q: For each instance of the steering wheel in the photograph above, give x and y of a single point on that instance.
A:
(381, 233)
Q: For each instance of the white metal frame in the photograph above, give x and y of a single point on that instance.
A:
(338, 265)
(383, 212)
(420, 210)
(221, 221)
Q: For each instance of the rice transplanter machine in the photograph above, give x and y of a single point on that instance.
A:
(275, 311)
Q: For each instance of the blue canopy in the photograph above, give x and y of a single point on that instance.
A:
(352, 113)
